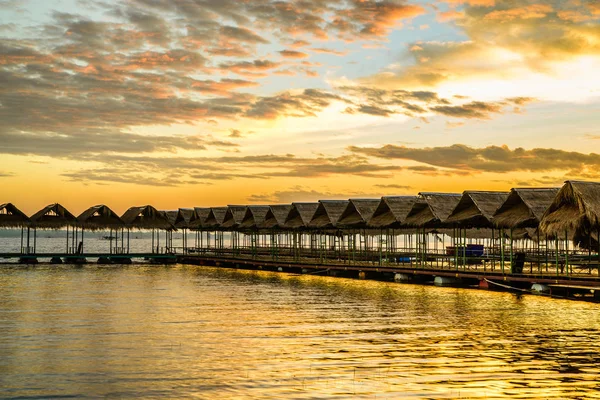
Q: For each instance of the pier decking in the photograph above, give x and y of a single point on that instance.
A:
(545, 236)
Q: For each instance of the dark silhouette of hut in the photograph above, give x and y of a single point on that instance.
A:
(357, 213)
(300, 215)
(215, 217)
(391, 212)
(276, 216)
(53, 216)
(99, 217)
(233, 217)
(12, 217)
(475, 209)
(524, 207)
(432, 209)
(327, 214)
(575, 213)
(146, 217)
(254, 218)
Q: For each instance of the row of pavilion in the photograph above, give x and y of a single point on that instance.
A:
(546, 218)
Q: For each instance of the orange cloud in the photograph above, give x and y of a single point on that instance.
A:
(475, 3)
(533, 11)
(450, 15)
(292, 54)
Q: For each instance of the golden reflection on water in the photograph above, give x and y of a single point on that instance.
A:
(187, 331)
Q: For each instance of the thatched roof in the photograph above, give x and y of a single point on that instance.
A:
(327, 214)
(198, 220)
(275, 217)
(182, 217)
(99, 217)
(146, 217)
(432, 209)
(53, 216)
(358, 212)
(576, 208)
(476, 208)
(185, 217)
(215, 217)
(254, 218)
(233, 216)
(524, 207)
(12, 217)
(391, 212)
(300, 215)
(171, 215)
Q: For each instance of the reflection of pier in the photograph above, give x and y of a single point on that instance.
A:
(544, 236)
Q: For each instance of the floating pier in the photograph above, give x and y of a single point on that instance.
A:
(540, 240)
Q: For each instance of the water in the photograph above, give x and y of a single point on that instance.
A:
(198, 332)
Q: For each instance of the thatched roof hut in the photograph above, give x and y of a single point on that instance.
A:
(524, 207)
(171, 215)
(215, 217)
(576, 210)
(432, 209)
(12, 217)
(275, 217)
(233, 216)
(328, 213)
(99, 217)
(357, 213)
(254, 218)
(475, 209)
(146, 217)
(198, 220)
(300, 215)
(391, 212)
(53, 216)
(182, 217)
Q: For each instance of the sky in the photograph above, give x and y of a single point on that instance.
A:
(182, 103)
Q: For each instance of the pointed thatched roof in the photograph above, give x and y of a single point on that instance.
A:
(358, 212)
(182, 217)
(53, 216)
(146, 217)
(215, 217)
(276, 215)
(524, 207)
(300, 215)
(171, 215)
(198, 221)
(432, 209)
(12, 217)
(391, 212)
(327, 214)
(576, 208)
(476, 208)
(185, 217)
(99, 217)
(254, 217)
(233, 216)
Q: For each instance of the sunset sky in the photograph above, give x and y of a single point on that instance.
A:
(180, 103)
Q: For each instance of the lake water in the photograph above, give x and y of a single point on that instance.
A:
(198, 332)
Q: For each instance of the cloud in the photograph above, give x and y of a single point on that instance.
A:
(505, 40)
(393, 186)
(177, 170)
(381, 102)
(251, 68)
(497, 159)
(60, 145)
(324, 50)
(5, 174)
(532, 11)
(305, 194)
(242, 34)
(292, 54)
